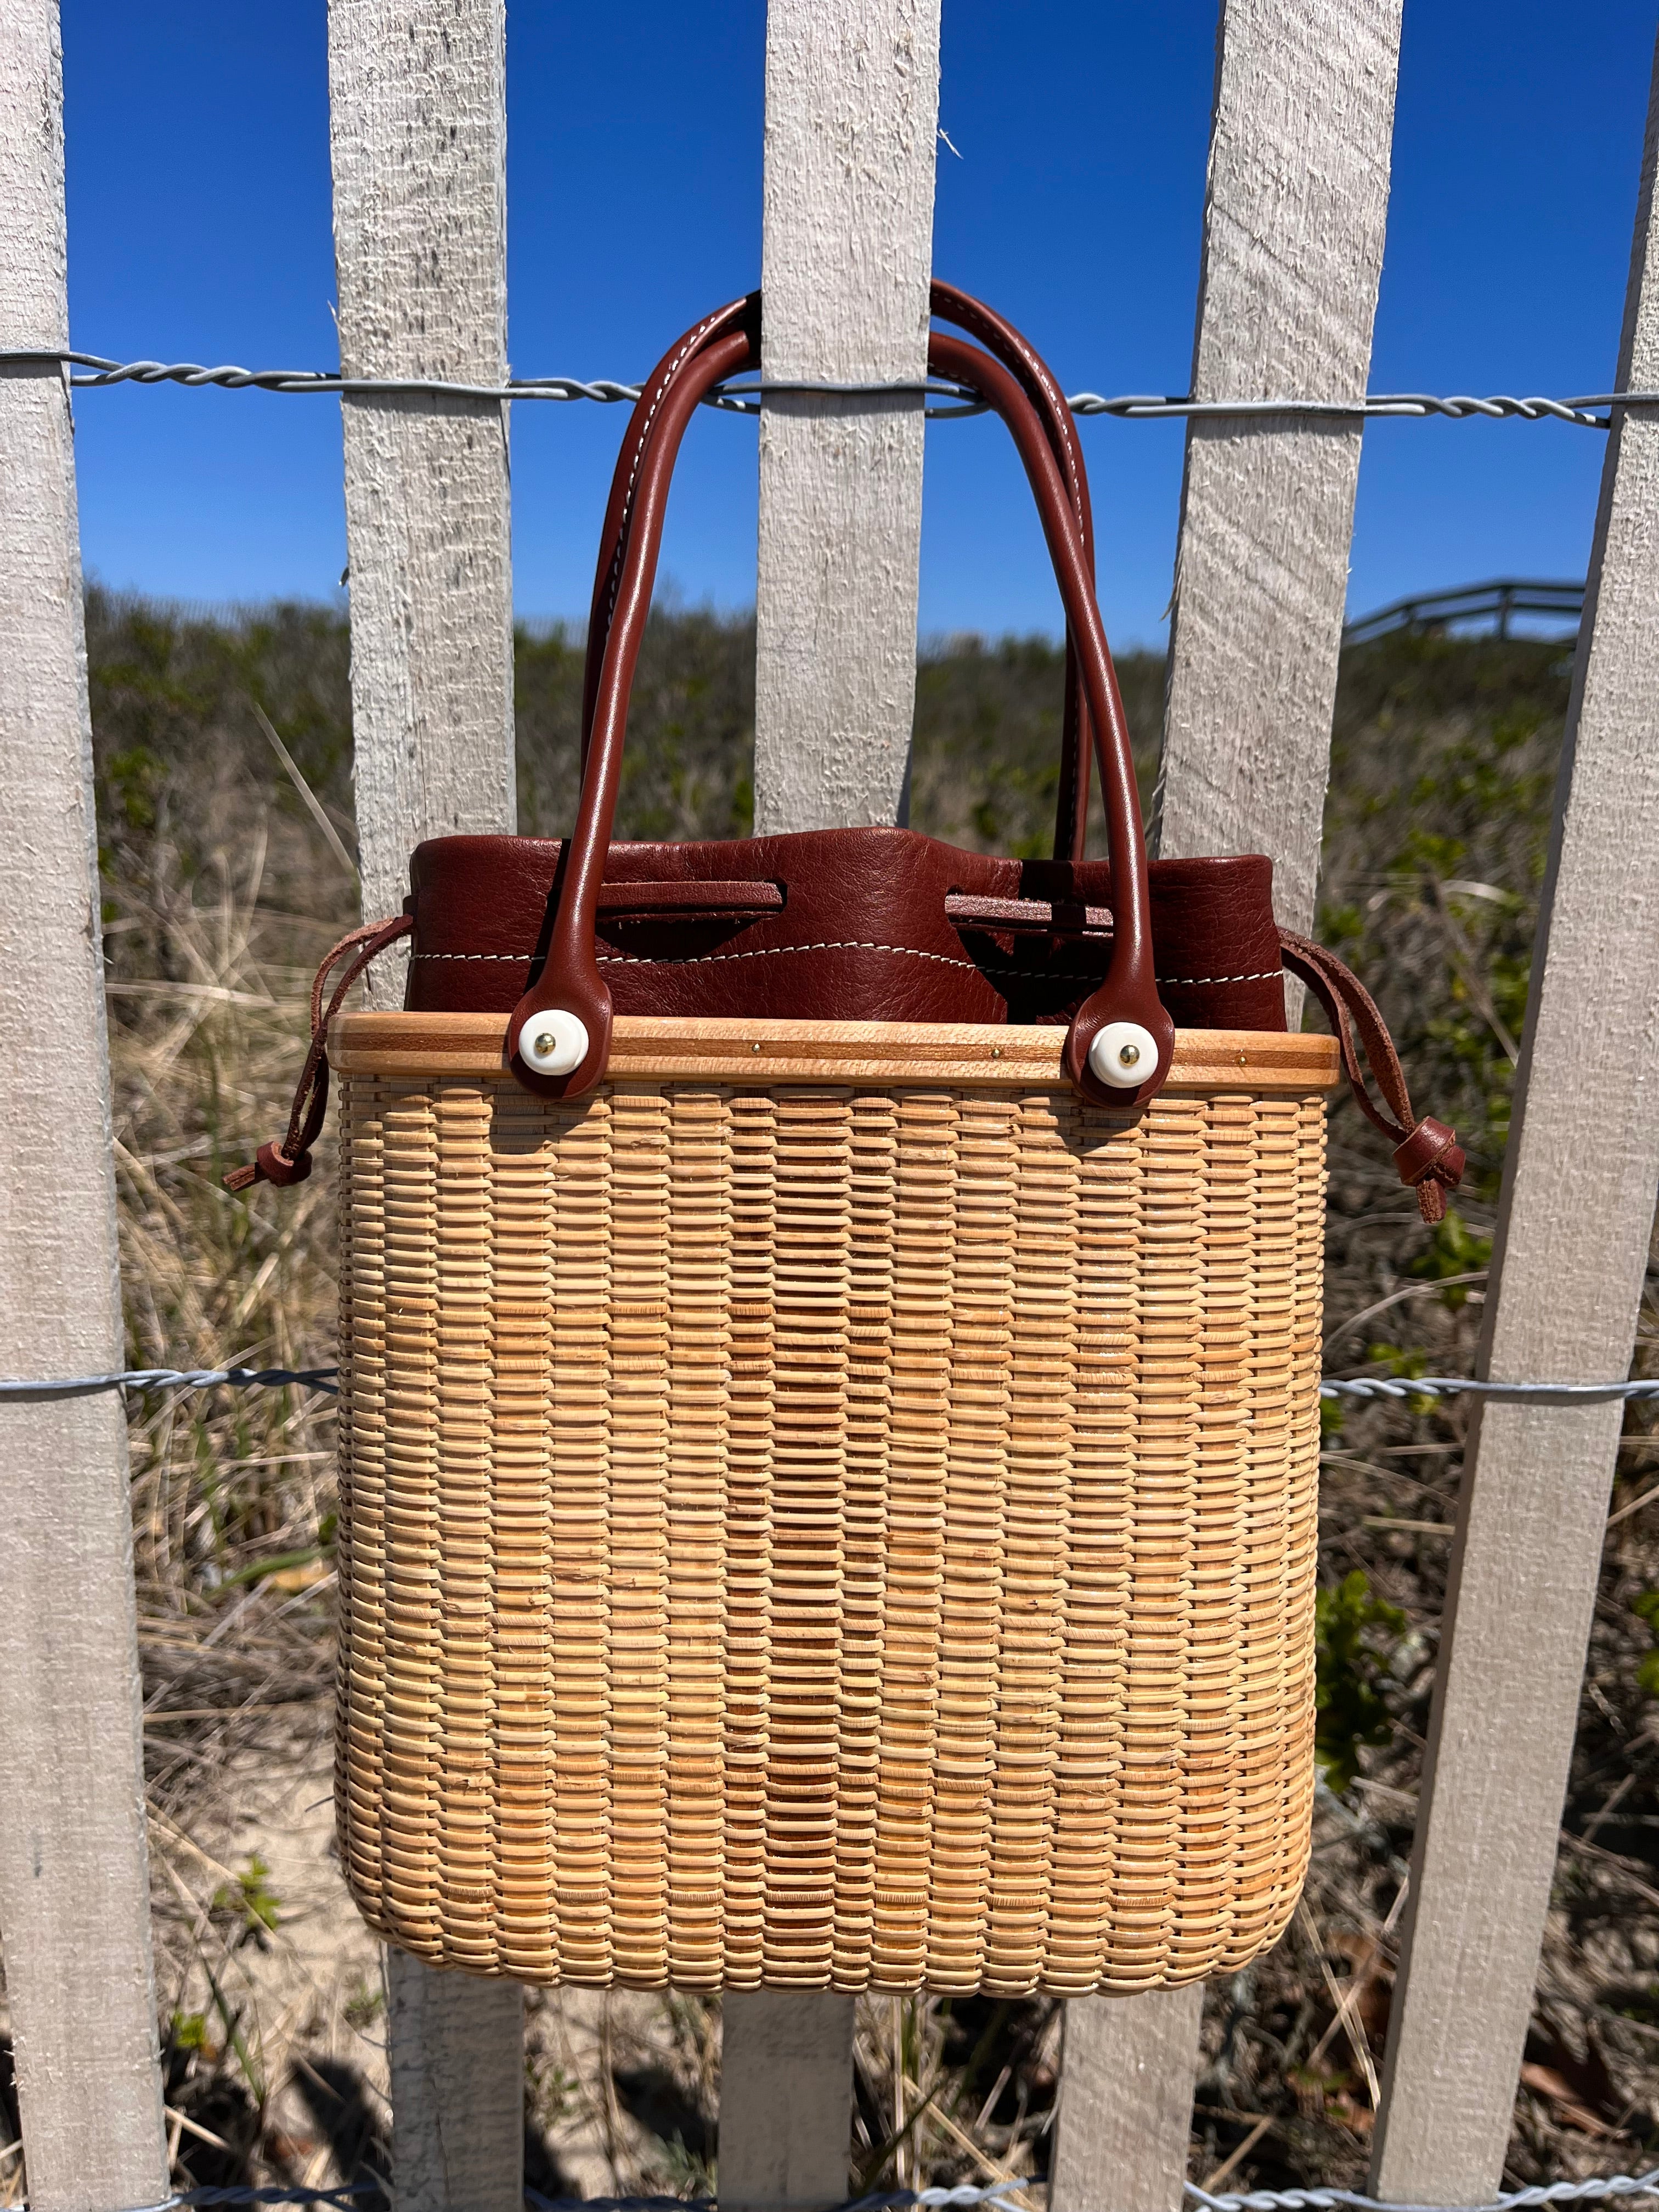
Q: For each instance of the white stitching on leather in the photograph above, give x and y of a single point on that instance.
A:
(694, 339)
(761, 952)
(1262, 975)
(769, 951)
(910, 952)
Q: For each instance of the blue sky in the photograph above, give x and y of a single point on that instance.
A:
(198, 183)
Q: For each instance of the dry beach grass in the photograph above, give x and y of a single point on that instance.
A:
(222, 890)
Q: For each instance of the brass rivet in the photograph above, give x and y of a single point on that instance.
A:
(547, 1044)
(996, 1052)
(754, 1048)
(1129, 1055)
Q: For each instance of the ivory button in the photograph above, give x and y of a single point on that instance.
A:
(554, 1043)
(1124, 1055)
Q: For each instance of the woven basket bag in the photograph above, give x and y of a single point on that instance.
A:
(826, 1503)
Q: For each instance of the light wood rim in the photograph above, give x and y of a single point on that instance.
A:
(653, 1048)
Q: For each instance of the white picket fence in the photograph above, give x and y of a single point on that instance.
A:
(1293, 230)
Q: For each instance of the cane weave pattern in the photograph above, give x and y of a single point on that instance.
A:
(822, 1536)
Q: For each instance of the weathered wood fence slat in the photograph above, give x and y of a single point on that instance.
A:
(1573, 1229)
(418, 138)
(852, 116)
(74, 1881)
(852, 111)
(1294, 219)
(1293, 225)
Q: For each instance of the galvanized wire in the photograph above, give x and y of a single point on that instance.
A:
(744, 398)
(1400, 406)
(1447, 1386)
(324, 1378)
(172, 1378)
(732, 399)
(229, 378)
(1518, 2200)
(1599, 2188)
(882, 2200)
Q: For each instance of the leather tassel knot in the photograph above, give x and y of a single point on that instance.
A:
(1431, 1161)
(270, 1164)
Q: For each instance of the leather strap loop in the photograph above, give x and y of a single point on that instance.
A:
(736, 314)
(1427, 1154)
(569, 980)
(289, 1161)
(1129, 992)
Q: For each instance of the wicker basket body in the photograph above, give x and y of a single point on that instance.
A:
(828, 1509)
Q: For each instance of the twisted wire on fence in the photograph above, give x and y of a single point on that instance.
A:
(1450, 1386)
(744, 397)
(174, 1378)
(1361, 1387)
(1600, 2188)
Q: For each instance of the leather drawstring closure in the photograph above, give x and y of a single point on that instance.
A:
(1426, 1153)
(289, 1161)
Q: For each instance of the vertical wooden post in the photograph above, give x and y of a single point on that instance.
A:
(1574, 1222)
(852, 116)
(457, 2050)
(1294, 219)
(786, 2098)
(74, 1881)
(1126, 2099)
(852, 121)
(418, 135)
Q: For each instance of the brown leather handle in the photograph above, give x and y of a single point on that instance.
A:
(569, 990)
(1129, 993)
(624, 484)
(1015, 352)
(569, 983)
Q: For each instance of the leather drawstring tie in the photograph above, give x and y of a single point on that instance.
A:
(1426, 1153)
(289, 1161)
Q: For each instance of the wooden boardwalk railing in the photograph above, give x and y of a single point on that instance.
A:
(1294, 223)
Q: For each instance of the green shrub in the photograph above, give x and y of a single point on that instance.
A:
(1353, 1630)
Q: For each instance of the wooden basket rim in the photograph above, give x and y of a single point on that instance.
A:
(767, 1051)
